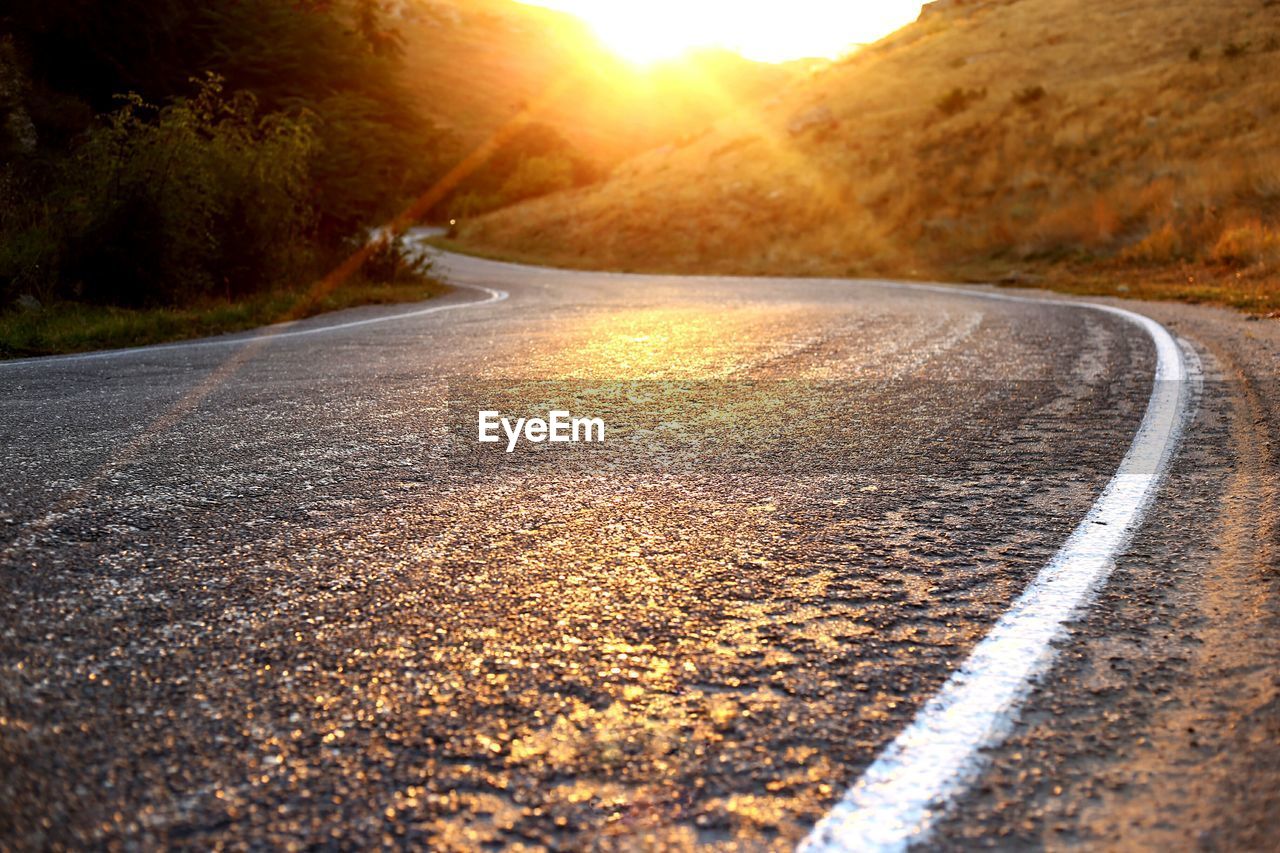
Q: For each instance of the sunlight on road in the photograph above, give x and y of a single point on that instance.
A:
(654, 343)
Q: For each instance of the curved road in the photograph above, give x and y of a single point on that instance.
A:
(274, 591)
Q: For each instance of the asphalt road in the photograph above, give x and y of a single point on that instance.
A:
(274, 592)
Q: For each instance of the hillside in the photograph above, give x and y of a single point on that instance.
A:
(1106, 145)
(471, 65)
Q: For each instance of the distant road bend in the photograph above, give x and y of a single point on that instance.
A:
(268, 590)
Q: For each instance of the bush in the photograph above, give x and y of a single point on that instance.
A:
(958, 100)
(392, 263)
(472, 203)
(163, 206)
(537, 176)
(1235, 50)
(1247, 243)
(365, 163)
(1162, 245)
(207, 194)
(534, 161)
(1029, 95)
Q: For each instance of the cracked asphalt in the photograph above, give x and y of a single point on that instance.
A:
(275, 595)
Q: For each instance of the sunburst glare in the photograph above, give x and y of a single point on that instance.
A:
(769, 32)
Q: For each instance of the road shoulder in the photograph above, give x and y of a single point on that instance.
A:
(1159, 726)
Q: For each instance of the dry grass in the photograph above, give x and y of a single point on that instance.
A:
(1094, 141)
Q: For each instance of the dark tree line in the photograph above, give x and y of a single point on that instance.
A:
(159, 151)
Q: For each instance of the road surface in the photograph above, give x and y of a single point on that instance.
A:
(270, 590)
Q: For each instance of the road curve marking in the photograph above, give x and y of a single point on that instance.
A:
(912, 782)
(265, 334)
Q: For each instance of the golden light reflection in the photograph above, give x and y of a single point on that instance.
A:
(646, 32)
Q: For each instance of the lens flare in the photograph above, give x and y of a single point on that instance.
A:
(647, 32)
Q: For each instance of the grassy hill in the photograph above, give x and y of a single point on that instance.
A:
(1102, 145)
(473, 64)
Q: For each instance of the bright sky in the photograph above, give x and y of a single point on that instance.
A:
(650, 30)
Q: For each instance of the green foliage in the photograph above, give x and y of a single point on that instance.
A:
(42, 329)
(391, 263)
(336, 59)
(163, 206)
(364, 166)
(536, 176)
(285, 51)
(472, 203)
(296, 140)
(533, 162)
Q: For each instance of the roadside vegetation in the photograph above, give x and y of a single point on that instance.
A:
(1098, 146)
(170, 169)
(535, 161)
(66, 327)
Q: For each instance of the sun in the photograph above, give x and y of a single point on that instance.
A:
(649, 31)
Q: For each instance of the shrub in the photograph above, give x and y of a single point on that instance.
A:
(537, 176)
(534, 161)
(205, 194)
(392, 263)
(1247, 243)
(958, 100)
(472, 203)
(1029, 95)
(1235, 50)
(363, 165)
(163, 206)
(1162, 245)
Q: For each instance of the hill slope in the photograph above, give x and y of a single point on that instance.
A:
(473, 64)
(1076, 138)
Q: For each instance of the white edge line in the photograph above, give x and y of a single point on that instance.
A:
(914, 780)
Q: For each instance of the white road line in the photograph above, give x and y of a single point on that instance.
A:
(266, 334)
(913, 781)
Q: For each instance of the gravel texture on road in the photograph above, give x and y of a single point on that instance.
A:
(274, 594)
